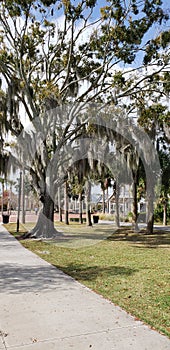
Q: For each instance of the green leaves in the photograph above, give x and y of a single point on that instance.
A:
(81, 50)
(154, 45)
(48, 2)
(166, 82)
(118, 79)
(125, 30)
(15, 8)
(91, 3)
(152, 119)
(165, 39)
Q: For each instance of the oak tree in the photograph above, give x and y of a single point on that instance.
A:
(57, 57)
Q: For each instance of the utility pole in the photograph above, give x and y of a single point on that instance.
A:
(19, 200)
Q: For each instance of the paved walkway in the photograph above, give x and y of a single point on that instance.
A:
(42, 308)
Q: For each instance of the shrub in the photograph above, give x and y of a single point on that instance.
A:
(108, 217)
(158, 213)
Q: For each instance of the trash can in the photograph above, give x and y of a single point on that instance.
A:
(95, 219)
(5, 218)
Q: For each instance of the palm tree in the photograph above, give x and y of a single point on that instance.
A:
(79, 178)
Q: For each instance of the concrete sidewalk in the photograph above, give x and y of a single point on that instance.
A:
(42, 308)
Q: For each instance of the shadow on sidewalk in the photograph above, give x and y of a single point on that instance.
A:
(18, 279)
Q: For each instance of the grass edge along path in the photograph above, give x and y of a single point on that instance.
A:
(131, 270)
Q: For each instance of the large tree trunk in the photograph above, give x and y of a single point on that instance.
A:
(107, 200)
(117, 192)
(150, 212)
(2, 198)
(88, 212)
(103, 203)
(44, 227)
(19, 202)
(23, 197)
(135, 202)
(80, 209)
(165, 213)
(59, 206)
(66, 205)
(10, 199)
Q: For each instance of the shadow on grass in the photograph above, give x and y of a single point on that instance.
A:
(90, 273)
(155, 240)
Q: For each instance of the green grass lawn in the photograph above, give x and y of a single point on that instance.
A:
(131, 270)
